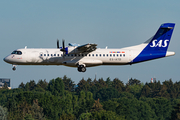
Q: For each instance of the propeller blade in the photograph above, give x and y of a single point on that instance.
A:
(63, 49)
(63, 44)
(57, 43)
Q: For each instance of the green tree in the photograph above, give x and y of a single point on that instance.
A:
(21, 85)
(27, 88)
(97, 106)
(37, 111)
(3, 113)
(109, 82)
(28, 117)
(59, 86)
(146, 91)
(32, 84)
(42, 84)
(110, 105)
(107, 93)
(51, 86)
(65, 116)
(161, 106)
(106, 115)
(82, 85)
(68, 84)
(85, 116)
(118, 84)
(134, 81)
(135, 89)
(175, 115)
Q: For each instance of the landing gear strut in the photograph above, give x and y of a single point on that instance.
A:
(81, 68)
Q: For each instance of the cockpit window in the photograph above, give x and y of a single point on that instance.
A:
(17, 52)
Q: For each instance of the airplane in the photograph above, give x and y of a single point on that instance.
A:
(87, 55)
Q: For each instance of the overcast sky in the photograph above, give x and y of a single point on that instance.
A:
(116, 24)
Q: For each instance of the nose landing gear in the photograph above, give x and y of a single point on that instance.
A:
(14, 67)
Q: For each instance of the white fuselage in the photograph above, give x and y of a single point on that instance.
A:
(56, 57)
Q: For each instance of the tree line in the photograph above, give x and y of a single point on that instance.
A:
(62, 99)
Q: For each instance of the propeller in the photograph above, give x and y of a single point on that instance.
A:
(57, 44)
(63, 49)
(63, 46)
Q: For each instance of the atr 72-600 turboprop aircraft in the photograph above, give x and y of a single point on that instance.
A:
(82, 56)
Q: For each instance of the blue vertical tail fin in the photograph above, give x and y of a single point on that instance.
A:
(157, 45)
(160, 41)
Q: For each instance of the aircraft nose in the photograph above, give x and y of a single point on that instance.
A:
(5, 59)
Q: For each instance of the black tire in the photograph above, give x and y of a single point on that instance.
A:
(79, 69)
(83, 69)
(14, 68)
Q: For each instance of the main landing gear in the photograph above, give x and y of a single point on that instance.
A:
(81, 68)
(14, 67)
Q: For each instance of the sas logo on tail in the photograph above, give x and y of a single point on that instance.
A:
(159, 44)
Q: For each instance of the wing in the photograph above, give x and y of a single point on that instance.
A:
(87, 47)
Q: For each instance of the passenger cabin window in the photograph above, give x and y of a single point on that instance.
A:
(17, 52)
(124, 55)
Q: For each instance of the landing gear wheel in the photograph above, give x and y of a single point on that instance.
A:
(14, 68)
(81, 68)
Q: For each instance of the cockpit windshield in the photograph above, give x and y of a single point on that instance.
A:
(17, 52)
